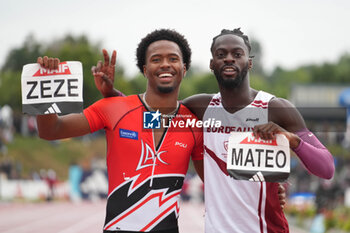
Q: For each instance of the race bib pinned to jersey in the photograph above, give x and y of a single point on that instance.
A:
(47, 91)
(254, 159)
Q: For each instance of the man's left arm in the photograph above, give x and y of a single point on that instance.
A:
(285, 118)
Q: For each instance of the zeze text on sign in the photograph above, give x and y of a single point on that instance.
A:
(52, 88)
(41, 85)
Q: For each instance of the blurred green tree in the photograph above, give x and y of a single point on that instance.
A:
(79, 48)
(68, 48)
(27, 53)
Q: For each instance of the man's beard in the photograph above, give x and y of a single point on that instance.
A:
(232, 83)
(165, 90)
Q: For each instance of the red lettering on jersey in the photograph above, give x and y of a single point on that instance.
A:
(214, 102)
(228, 129)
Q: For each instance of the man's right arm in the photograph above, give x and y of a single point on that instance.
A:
(285, 118)
(52, 126)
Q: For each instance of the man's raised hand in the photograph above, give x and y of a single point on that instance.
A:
(104, 74)
(269, 130)
(48, 62)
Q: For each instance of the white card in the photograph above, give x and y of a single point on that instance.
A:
(52, 91)
(254, 159)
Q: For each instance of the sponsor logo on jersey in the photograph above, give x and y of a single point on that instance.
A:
(252, 119)
(226, 145)
(180, 144)
(215, 102)
(148, 157)
(124, 133)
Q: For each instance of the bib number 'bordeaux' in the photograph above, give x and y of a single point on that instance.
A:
(254, 159)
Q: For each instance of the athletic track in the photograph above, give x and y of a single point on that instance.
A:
(84, 217)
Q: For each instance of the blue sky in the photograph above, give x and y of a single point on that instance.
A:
(292, 33)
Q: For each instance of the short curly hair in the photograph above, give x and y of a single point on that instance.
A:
(163, 34)
(236, 32)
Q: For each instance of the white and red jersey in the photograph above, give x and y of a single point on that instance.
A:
(237, 206)
(145, 180)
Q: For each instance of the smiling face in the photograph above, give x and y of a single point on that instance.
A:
(230, 61)
(164, 66)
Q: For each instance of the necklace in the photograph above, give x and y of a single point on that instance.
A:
(149, 107)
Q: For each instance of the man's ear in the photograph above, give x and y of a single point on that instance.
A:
(211, 64)
(144, 71)
(250, 61)
(185, 70)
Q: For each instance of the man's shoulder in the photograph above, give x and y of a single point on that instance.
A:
(198, 103)
(199, 100)
(280, 108)
(112, 109)
(185, 112)
(117, 104)
(277, 102)
(285, 114)
(132, 99)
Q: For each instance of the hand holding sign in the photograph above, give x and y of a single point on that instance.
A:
(269, 130)
(52, 87)
(48, 62)
(255, 159)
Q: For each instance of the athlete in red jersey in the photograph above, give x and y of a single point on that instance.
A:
(146, 167)
(145, 180)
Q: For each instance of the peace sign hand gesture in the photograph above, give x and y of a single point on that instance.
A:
(104, 74)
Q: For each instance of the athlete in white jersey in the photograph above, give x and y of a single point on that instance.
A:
(233, 204)
(237, 206)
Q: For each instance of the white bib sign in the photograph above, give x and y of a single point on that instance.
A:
(52, 91)
(254, 159)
